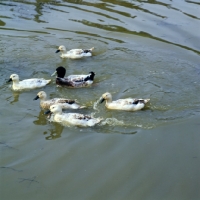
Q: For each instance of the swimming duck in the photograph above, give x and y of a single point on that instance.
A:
(65, 103)
(128, 104)
(74, 53)
(27, 83)
(71, 118)
(75, 81)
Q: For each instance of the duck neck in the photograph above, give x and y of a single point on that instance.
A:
(15, 82)
(42, 99)
(109, 100)
(63, 52)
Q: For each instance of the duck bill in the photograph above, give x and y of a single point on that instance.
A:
(9, 80)
(37, 97)
(54, 73)
(47, 112)
(57, 51)
(101, 100)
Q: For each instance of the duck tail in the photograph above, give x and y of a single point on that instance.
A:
(82, 107)
(90, 77)
(76, 101)
(48, 81)
(146, 100)
(143, 101)
(88, 50)
(91, 49)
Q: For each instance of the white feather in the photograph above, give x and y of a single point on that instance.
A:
(76, 119)
(64, 103)
(27, 83)
(129, 104)
(74, 53)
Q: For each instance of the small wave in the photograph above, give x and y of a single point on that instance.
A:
(95, 105)
(112, 122)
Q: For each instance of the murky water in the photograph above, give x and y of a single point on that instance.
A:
(145, 49)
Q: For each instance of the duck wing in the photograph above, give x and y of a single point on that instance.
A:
(76, 51)
(34, 82)
(127, 101)
(81, 116)
(84, 78)
(76, 77)
(69, 101)
(88, 50)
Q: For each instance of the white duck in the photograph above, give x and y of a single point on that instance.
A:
(75, 81)
(27, 83)
(128, 104)
(71, 118)
(65, 103)
(74, 53)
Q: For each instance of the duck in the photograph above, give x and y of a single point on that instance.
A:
(74, 81)
(27, 83)
(74, 53)
(75, 119)
(129, 104)
(65, 103)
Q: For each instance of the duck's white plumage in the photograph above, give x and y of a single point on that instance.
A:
(64, 103)
(76, 119)
(27, 83)
(128, 104)
(74, 53)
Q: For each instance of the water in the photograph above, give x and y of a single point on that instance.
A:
(143, 49)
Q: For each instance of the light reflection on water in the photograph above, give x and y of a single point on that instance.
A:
(134, 17)
(143, 49)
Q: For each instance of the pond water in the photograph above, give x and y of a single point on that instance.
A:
(143, 49)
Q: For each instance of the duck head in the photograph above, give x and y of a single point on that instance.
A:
(41, 95)
(60, 72)
(105, 96)
(54, 109)
(13, 77)
(61, 48)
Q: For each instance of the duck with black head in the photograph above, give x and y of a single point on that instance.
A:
(74, 81)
